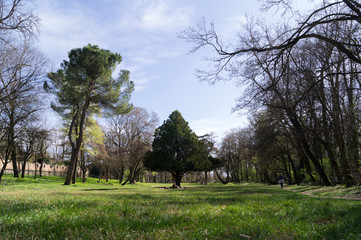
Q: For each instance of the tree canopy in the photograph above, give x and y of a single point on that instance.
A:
(84, 85)
(176, 149)
(303, 73)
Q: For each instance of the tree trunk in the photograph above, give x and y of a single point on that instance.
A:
(41, 167)
(78, 141)
(3, 169)
(267, 178)
(287, 172)
(134, 171)
(107, 173)
(352, 127)
(219, 177)
(294, 169)
(23, 168)
(13, 159)
(75, 170)
(125, 182)
(177, 178)
(246, 173)
(137, 176)
(327, 143)
(132, 175)
(258, 174)
(71, 167)
(338, 127)
(241, 170)
(11, 141)
(36, 168)
(100, 175)
(306, 164)
(334, 166)
(301, 139)
(121, 174)
(84, 176)
(74, 151)
(83, 167)
(345, 169)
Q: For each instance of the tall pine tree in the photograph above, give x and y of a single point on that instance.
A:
(84, 85)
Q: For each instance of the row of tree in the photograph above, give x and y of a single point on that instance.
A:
(83, 88)
(21, 71)
(303, 90)
(302, 86)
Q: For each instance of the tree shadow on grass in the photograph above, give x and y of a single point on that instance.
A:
(101, 189)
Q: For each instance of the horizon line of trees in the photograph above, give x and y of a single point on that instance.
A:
(83, 89)
(302, 88)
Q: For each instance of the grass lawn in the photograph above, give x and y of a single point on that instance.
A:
(46, 209)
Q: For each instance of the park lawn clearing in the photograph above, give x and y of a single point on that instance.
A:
(46, 209)
(352, 193)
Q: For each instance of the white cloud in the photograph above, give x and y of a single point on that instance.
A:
(153, 55)
(64, 27)
(141, 83)
(130, 27)
(145, 60)
(137, 75)
(150, 15)
(218, 124)
(164, 15)
(168, 54)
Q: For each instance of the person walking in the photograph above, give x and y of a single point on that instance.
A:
(281, 180)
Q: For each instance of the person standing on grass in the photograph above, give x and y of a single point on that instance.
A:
(281, 180)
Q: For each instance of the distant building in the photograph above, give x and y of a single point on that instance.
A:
(47, 170)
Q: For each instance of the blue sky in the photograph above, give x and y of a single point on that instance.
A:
(145, 32)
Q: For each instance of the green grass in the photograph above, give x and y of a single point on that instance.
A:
(46, 209)
(336, 192)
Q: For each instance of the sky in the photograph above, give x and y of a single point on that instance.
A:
(145, 33)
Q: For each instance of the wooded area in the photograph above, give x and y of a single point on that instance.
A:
(300, 82)
(302, 87)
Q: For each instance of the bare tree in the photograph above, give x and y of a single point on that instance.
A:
(339, 14)
(18, 26)
(43, 144)
(308, 70)
(236, 150)
(16, 16)
(26, 143)
(20, 101)
(60, 145)
(129, 137)
(20, 67)
(209, 163)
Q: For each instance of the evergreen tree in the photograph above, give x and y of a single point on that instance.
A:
(84, 85)
(176, 149)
